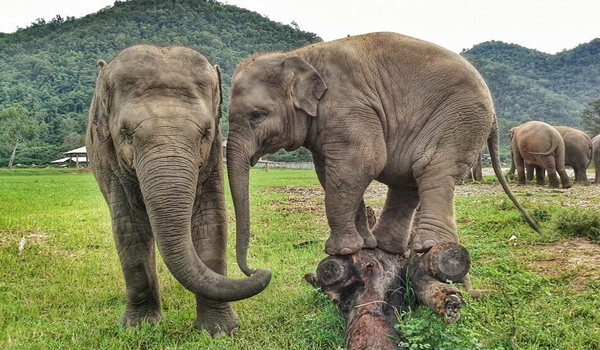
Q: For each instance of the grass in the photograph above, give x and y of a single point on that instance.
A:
(65, 290)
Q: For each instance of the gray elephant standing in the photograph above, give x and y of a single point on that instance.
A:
(381, 106)
(596, 156)
(578, 150)
(155, 149)
(540, 145)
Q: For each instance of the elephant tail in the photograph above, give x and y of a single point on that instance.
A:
(553, 148)
(540, 153)
(493, 148)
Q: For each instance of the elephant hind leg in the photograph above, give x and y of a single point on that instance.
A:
(580, 173)
(392, 230)
(362, 226)
(436, 216)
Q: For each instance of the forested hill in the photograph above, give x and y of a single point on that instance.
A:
(531, 85)
(50, 68)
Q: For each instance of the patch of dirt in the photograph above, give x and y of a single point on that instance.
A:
(577, 256)
(304, 199)
(20, 239)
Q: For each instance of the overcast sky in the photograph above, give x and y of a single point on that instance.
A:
(546, 25)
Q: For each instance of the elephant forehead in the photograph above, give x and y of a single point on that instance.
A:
(250, 95)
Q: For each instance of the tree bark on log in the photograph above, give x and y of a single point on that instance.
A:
(370, 286)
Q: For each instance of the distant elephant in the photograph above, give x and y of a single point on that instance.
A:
(381, 106)
(596, 156)
(578, 150)
(155, 149)
(539, 144)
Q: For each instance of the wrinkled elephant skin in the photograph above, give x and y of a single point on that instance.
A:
(155, 149)
(379, 106)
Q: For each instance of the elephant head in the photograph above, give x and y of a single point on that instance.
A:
(273, 101)
(155, 114)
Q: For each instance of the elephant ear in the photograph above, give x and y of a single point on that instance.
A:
(307, 86)
(218, 94)
(99, 109)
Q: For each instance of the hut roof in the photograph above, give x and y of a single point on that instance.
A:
(80, 150)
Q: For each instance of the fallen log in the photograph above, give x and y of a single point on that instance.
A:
(370, 286)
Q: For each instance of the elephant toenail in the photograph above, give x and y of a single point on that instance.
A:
(346, 251)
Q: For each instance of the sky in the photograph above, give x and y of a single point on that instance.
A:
(546, 25)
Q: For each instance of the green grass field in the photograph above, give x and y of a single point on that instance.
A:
(65, 290)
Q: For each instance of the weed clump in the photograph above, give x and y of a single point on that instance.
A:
(577, 222)
(422, 329)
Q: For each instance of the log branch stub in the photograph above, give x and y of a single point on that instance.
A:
(448, 262)
(429, 272)
(334, 270)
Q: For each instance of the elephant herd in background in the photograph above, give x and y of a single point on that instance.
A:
(539, 147)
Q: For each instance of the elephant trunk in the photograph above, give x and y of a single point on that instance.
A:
(168, 185)
(238, 172)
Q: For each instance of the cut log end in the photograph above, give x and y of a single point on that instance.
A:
(449, 262)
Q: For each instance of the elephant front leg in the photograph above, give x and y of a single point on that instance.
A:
(529, 171)
(540, 174)
(360, 223)
(343, 198)
(136, 248)
(209, 234)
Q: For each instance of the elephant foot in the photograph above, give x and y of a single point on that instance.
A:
(391, 244)
(566, 186)
(422, 242)
(541, 183)
(133, 318)
(218, 319)
(344, 244)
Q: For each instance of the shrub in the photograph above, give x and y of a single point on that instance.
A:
(579, 222)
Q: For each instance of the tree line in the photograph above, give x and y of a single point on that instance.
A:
(48, 70)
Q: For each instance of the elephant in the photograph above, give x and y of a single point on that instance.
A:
(596, 156)
(378, 106)
(540, 145)
(154, 147)
(578, 150)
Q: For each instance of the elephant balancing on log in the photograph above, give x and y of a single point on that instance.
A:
(369, 286)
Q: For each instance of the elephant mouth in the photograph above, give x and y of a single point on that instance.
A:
(254, 160)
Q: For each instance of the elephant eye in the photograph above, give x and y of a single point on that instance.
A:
(258, 115)
(127, 136)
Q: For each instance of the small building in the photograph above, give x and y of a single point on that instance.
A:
(76, 157)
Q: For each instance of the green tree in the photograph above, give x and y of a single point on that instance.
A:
(15, 127)
(590, 117)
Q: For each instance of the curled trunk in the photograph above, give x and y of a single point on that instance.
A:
(168, 186)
